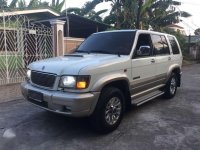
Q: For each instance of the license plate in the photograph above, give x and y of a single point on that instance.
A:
(37, 96)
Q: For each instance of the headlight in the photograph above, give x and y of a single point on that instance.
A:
(68, 81)
(74, 82)
(28, 74)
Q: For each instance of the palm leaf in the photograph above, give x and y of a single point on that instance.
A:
(53, 3)
(60, 6)
(13, 3)
(175, 3)
(111, 19)
(185, 14)
(57, 3)
(21, 4)
(33, 3)
(89, 6)
(73, 10)
(98, 13)
(146, 6)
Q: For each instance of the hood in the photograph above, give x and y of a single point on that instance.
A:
(72, 64)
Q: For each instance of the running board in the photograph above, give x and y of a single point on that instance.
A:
(141, 100)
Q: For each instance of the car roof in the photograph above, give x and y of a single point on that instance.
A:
(134, 30)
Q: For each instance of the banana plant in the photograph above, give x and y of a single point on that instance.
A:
(152, 13)
(88, 11)
(57, 5)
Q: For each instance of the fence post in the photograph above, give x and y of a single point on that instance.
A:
(5, 44)
(58, 37)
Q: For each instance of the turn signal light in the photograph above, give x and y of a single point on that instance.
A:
(81, 85)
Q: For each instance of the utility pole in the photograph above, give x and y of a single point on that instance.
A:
(189, 41)
(67, 19)
(118, 24)
(140, 3)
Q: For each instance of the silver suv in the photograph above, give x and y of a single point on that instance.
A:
(107, 73)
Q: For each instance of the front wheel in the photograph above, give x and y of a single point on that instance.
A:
(171, 86)
(109, 110)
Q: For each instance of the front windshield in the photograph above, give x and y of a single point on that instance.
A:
(109, 43)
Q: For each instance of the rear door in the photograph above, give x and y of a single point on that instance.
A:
(162, 55)
(177, 55)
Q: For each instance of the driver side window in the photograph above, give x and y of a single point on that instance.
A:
(144, 46)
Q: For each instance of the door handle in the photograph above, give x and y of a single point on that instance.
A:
(169, 58)
(153, 61)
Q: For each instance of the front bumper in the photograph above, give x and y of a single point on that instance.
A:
(72, 104)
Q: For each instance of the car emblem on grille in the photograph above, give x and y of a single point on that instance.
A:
(43, 67)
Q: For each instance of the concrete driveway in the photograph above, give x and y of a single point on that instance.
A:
(157, 125)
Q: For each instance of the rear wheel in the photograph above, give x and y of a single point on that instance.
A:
(171, 87)
(109, 110)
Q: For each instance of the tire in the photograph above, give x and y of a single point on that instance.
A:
(109, 110)
(171, 87)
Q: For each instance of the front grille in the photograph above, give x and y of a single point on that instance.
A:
(43, 79)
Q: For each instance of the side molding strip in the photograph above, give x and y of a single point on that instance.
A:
(134, 78)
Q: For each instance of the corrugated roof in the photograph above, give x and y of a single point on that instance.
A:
(73, 17)
(29, 11)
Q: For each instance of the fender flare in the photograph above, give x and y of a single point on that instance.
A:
(102, 82)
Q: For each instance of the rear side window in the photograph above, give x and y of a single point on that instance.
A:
(174, 45)
(160, 44)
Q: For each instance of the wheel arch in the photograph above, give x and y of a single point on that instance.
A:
(120, 82)
(177, 70)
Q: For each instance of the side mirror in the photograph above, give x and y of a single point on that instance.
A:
(144, 51)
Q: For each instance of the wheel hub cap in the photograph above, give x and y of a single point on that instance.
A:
(113, 110)
(173, 86)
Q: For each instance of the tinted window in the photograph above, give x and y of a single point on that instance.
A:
(160, 45)
(174, 45)
(110, 42)
(143, 40)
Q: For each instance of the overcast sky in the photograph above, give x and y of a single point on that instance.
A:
(191, 6)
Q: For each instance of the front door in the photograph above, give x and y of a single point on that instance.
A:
(143, 66)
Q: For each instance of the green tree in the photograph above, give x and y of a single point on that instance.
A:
(21, 4)
(119, 13)
(161, 13)
(3, 4)
(180, 38)
(34, 4)
(136, 14)
(13, 4)
(57, 5)
(88, 11)
(197, 31)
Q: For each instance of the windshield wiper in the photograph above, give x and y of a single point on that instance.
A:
(99, 51)
(105, 52)
(82, 51)
(96, 51)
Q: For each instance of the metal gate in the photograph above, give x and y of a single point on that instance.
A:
(21, 43)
